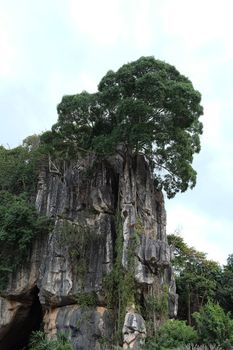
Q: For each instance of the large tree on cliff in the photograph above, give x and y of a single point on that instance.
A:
(146, 106)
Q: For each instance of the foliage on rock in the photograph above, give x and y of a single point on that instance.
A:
(146, 106)
(87, 299)
(19, 167)
(19, 221)
(39, 341)
(119, 285)
(19, 225)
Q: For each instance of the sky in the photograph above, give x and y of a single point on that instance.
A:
(51, 48)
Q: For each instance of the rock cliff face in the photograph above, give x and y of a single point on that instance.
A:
(105, 268)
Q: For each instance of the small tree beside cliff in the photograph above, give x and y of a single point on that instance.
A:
(147, 106)
(214, 326)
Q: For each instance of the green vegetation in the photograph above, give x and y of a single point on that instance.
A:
(121, 289)
(196, 278)
(205, 294)
(19, 225)
(172, 335)
(79, 239)
(224, 293)
(119, 285)
(147, 106)
(214, 326)
(39, 341)
(19, 167)
(158, 304)
(155, 307)
(87, 299)
(19, 221)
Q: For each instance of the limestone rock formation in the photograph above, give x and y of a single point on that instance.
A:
(109, 220)
(134, 330)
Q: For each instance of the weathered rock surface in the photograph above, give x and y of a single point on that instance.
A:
(88, 328)
(85, 200)
(134, 331)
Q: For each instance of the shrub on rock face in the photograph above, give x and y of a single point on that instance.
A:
(19, 224)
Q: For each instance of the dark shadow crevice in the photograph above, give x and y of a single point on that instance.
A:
(27, 319)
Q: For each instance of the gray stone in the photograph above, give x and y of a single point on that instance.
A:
(134, 330)
(86, 328)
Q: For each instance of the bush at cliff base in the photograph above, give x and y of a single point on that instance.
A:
(173, 334)
(38, 341)
(214, 326)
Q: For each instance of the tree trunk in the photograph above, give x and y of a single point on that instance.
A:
(189, 306)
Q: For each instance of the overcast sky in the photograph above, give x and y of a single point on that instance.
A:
(51, 48)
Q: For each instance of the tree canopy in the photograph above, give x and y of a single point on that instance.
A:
(19, 167)
(146, 106)
(214, 326)
(197, 278)
(225, 290)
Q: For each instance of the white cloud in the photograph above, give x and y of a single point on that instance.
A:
(113, 22)
(60, 84)
(215, 142)
(99, 20)
(87, 82)
(198, 22)
(212, 124)
(206, 234)
(139, 25)
(8, 52)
